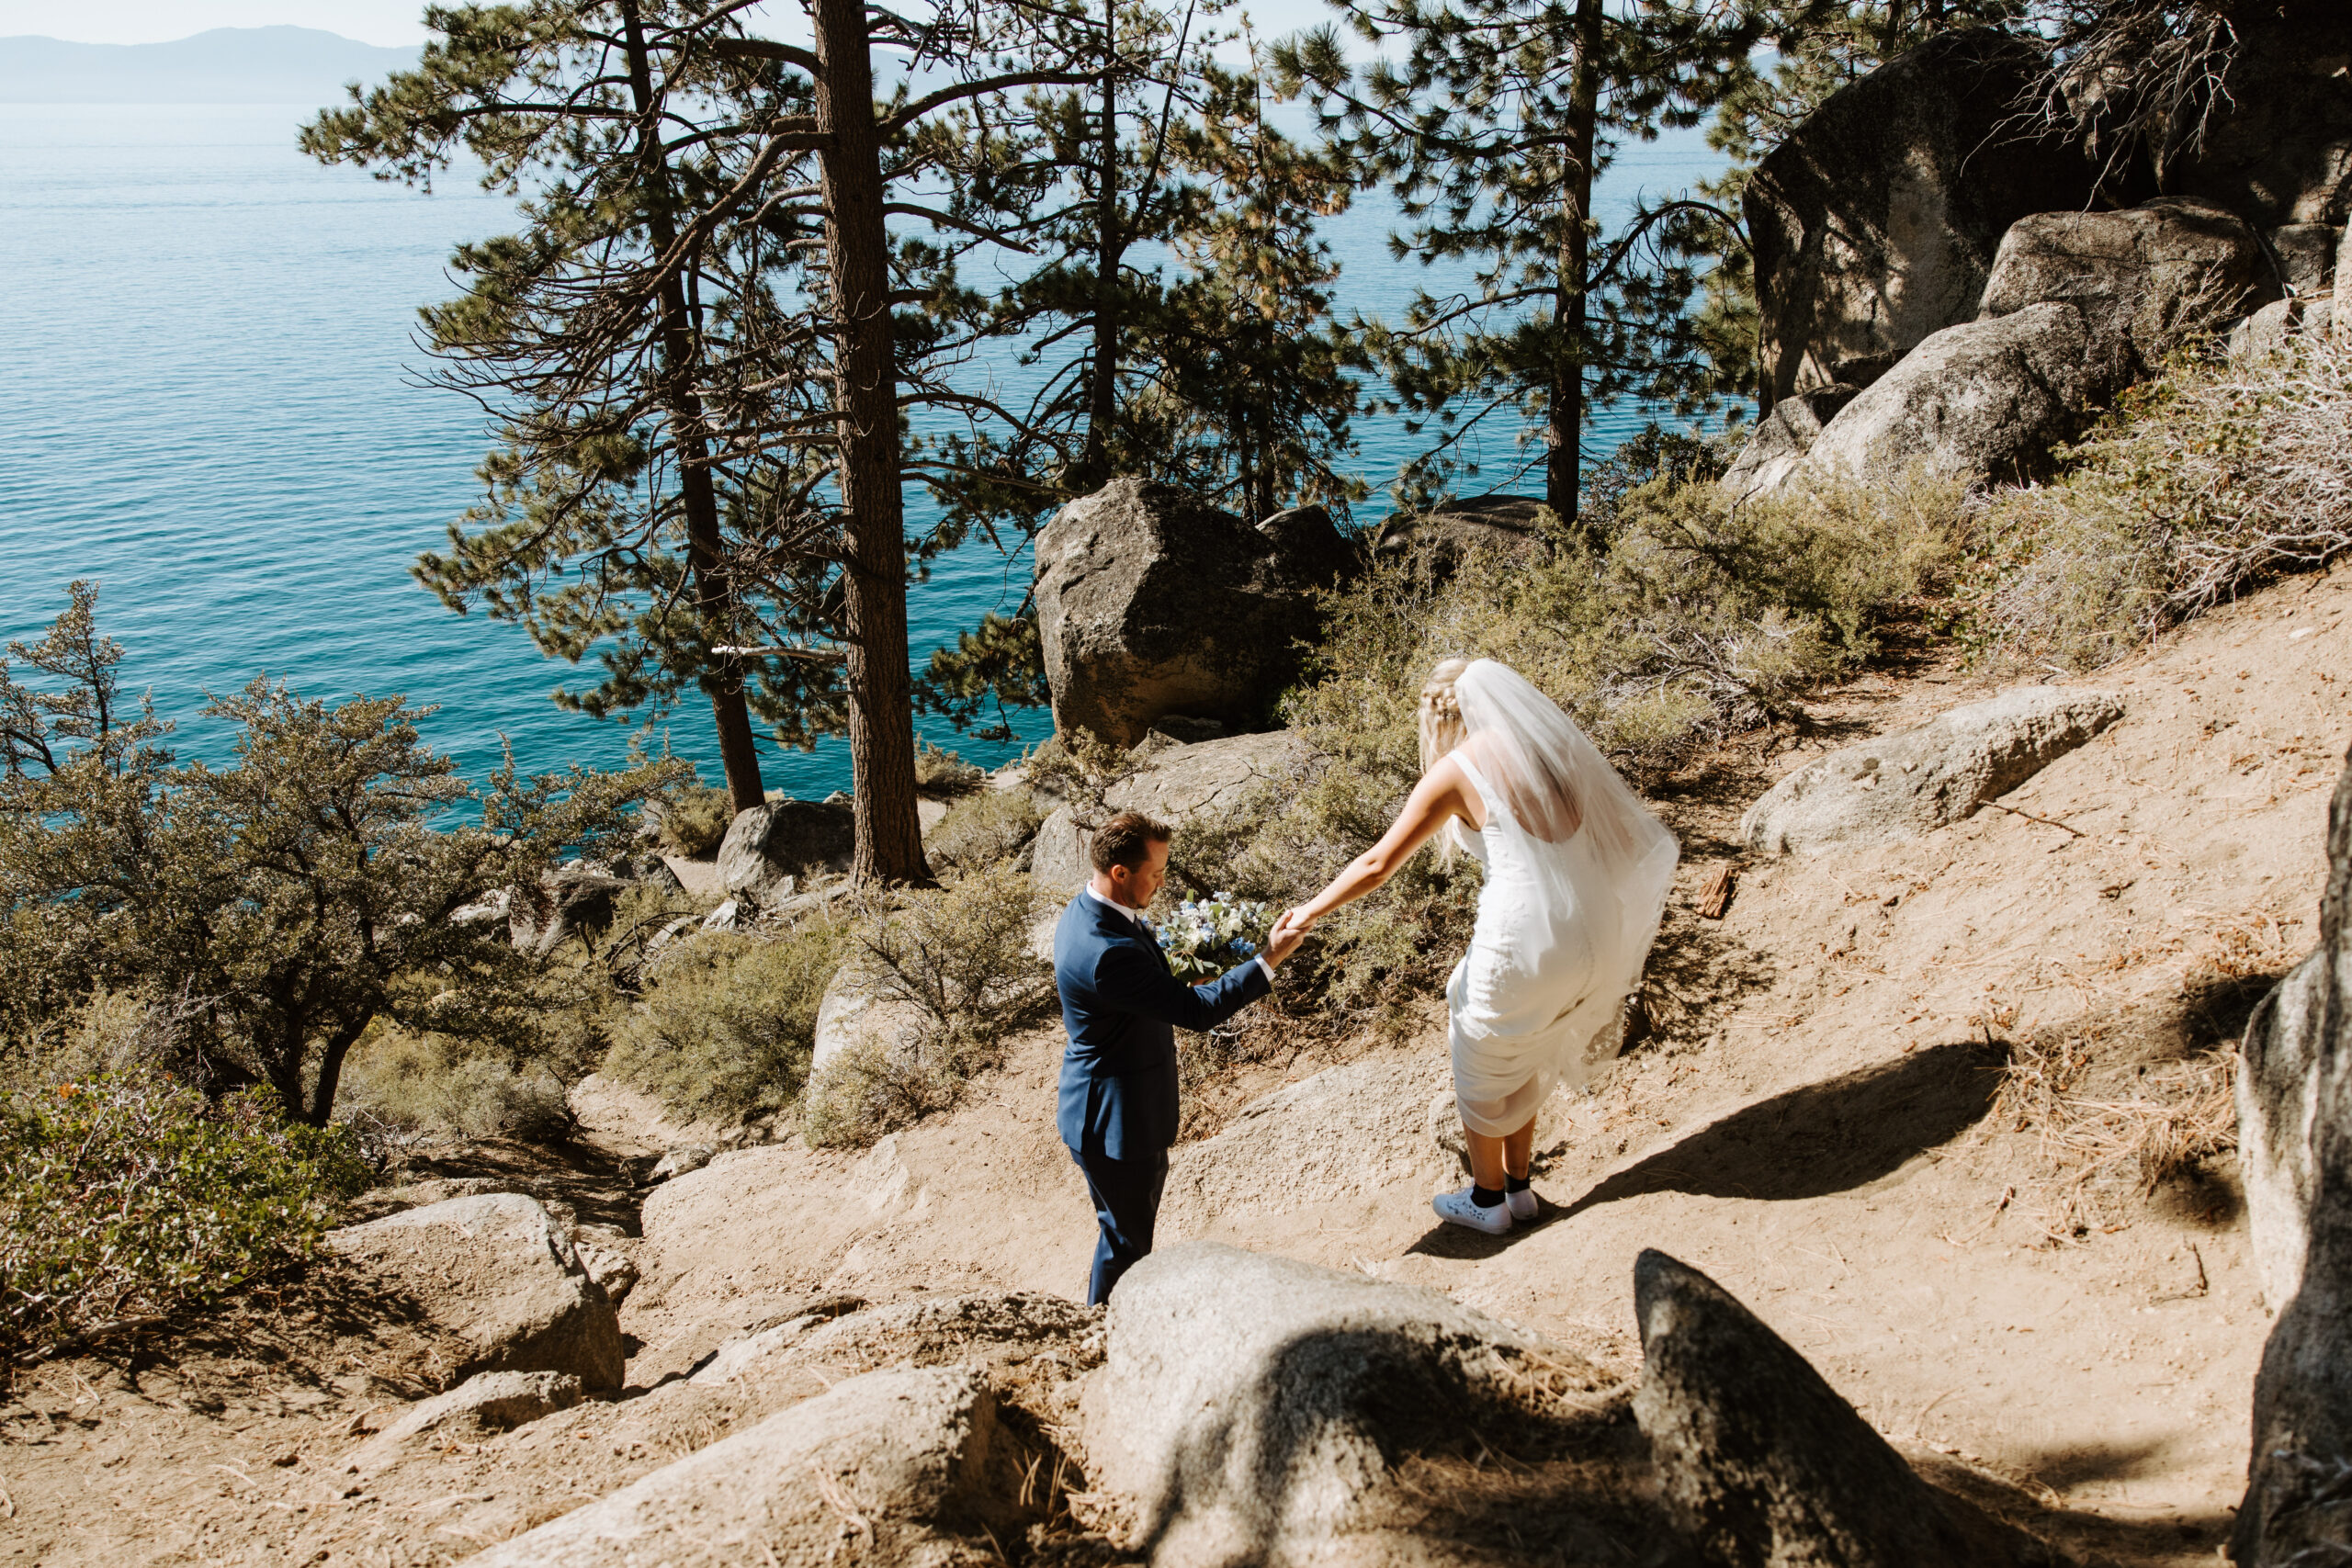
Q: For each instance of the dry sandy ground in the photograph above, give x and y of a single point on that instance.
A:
(1815, 1123)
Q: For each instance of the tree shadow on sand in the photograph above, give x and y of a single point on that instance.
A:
(1824, 1137)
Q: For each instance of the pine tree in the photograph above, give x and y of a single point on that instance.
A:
(1492, 129)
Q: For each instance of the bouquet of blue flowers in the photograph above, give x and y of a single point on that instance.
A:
(1206, 937)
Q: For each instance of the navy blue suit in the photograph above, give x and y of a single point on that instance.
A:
(1117, 1109)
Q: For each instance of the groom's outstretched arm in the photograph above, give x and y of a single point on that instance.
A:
(1132, 980)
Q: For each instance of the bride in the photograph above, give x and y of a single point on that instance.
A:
(1576, 874)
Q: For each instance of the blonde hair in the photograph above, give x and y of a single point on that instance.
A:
(1441, 711)
(1441, 731)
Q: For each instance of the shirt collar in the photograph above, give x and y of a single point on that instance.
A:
(1130, 916)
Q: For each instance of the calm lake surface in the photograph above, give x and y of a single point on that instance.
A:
(210, 407)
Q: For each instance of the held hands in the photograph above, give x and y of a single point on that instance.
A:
(1288, 932)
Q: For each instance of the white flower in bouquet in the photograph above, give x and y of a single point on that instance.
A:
(1206, 937)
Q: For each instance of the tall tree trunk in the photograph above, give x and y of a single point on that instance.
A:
(714, 592)
(1564, 467)
(865, 404)
(1110, 252)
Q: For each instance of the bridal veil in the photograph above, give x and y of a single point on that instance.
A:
(1597, 858)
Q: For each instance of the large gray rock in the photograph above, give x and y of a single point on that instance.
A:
(1353, 1128)
(860, 1008)
(2279, 147)
(498, 1273)
(484, 1404)
(2295, 1150)
(1760, 1464)
(890, 1467)
(2151, 277)
(1510, 526)
(1985, 400)
(1251, 1406)
(1782, 440)
(540, 918)
(1899, 787)
(770, 849)
(1875, 221)
(2278, 326)
(2305, 256)
(1151, 603)
(1176, 785)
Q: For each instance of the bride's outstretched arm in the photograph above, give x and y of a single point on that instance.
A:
(1443, 793)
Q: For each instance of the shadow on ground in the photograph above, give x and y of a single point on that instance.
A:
(1825, 1138)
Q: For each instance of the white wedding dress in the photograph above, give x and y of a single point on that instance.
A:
(1576, 874)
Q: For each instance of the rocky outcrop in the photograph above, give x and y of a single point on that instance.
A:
(1510, 526)
(860, 1008)
(540, 917)
(1899, 787)
(2278, 148)
(1782, 440)
(1875, 223)
(1251, 1406)
(2149, 277)
(498, 1274)
(1760, 1464)
(483, 1403)
(1353, 1128)
(890, 1467)
(2276, 327)
(2295, 1150)
(2304, 257)
(770, 849)
(1981, 401)
(1175, 784)
(1151, 603)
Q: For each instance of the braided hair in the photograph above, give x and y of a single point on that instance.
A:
(1441, 711)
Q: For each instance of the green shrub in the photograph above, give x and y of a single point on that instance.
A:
(985, 828)
(727, 1024)
(129, 1194)
(959, 955)
(694, 820)
(872, 1088)
(959, 952)
(943, 775)
(2202, 484)
(435, 1083)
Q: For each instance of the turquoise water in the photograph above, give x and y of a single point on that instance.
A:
(208, 406)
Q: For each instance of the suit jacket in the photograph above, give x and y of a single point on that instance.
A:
(1121, 1007)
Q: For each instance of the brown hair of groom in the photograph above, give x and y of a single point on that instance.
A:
(1125, 839)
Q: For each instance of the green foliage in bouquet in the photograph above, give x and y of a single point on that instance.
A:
(1203, 938)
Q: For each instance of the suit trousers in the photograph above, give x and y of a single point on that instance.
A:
(1126, 1205)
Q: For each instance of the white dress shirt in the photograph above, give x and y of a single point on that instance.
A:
(1135, 917)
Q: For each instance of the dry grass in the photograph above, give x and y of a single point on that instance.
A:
(2098, 1144)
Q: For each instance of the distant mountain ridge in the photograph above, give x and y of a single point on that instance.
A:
(226, 65)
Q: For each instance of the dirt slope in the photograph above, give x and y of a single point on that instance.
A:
(1814, 1122)
(1810, 1124)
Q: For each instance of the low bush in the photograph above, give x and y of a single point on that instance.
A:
(988, 828)
(959, 956)
(943, 775)
(727, 1023)
(2203, 483)
(960, 951)
(129, 1194)
(404, 1082)
(694, 820)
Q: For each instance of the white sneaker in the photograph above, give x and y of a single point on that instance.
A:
(1456, 1209)
(1522, 1204)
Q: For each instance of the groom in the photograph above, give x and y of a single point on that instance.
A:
(1122, 1007)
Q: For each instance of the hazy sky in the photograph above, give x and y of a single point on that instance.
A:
(370, 21)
